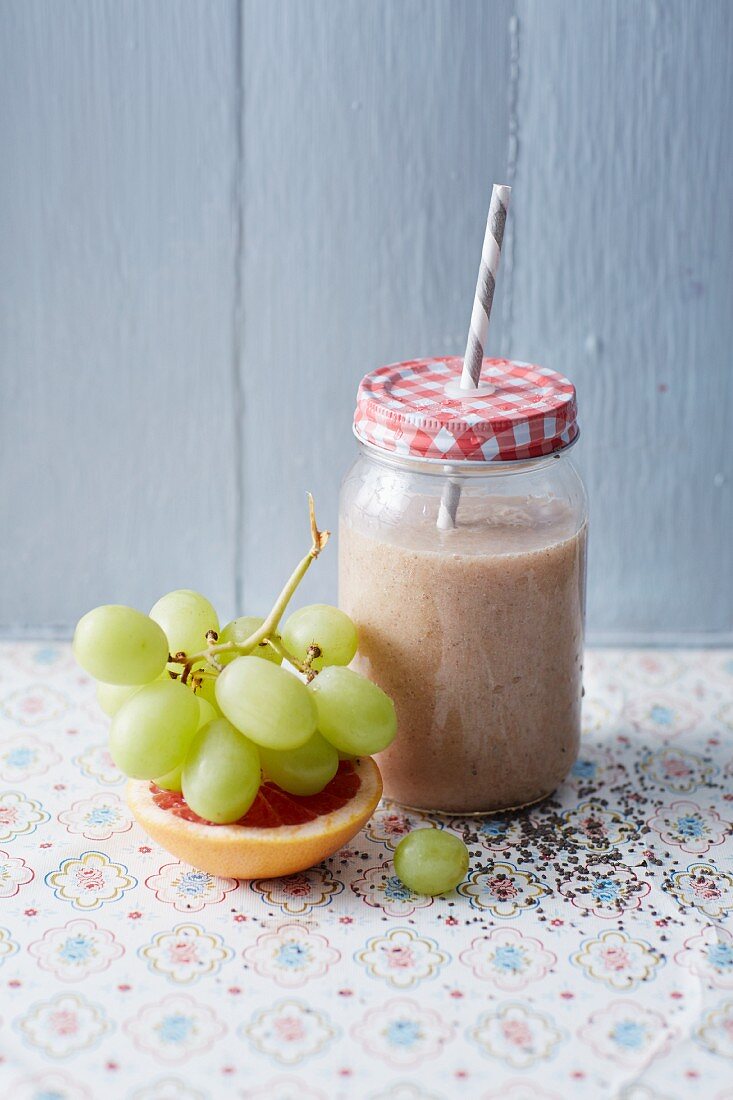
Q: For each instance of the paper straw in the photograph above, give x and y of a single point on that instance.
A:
(479, 328)
(485, 285)
(449, 506)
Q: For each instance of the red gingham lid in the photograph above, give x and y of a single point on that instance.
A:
(404, 408)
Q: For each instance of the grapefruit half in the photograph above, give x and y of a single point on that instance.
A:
(279, 835)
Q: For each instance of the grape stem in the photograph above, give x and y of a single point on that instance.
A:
(302, 666)
(266, 632)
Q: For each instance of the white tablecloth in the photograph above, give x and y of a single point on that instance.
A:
(587, 954)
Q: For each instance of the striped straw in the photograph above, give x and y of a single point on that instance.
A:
(479, 329)
(485, 285)
(448, 506)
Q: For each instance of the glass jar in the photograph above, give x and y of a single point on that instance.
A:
(474, 627)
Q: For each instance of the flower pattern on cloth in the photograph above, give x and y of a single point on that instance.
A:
(175, 1029)
(289, 1032)
(605, 889)
(508, 959)
(709, 956)
(97, 763)
(300, 894)
(380, 888)
(90, 881)
(391, 823)
(715, 1033)
(627, 1033)
(51, 1086)
(691, 828)
(402, 1032)
(517, 1035)
(168, 1088)
(674, 769)
(284, 1088)
(75, 951)
(187, 889)
(291, 956)
(402, 958)
(185, 954)
(34, 705)
(14, 873)
(98, 817)
(617, 960)
(663, 714)
(498, 833)
(703, 887)
(64, 1025)
(8, 946)
(596, 829)
(587, 953)
(504, 890)
(19, 815)
(25, 756)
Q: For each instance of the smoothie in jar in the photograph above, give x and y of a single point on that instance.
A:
(475, 631)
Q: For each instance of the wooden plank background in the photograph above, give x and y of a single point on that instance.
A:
(215, 216)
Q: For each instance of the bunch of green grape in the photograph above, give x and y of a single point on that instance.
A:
(195, 711)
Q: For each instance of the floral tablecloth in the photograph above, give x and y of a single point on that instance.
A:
(587, 954)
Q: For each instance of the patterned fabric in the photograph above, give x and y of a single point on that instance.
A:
(405, 408)
(587, 954)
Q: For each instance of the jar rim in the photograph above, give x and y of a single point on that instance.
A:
(438, 467)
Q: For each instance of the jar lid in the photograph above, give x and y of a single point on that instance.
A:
(405, 408)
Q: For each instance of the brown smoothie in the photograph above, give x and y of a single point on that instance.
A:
(477, 634)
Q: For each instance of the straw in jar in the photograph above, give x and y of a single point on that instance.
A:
(478, 329)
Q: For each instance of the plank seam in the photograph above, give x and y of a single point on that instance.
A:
(507, 312)
(238, 313)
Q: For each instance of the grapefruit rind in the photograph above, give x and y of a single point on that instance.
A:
(239, 851)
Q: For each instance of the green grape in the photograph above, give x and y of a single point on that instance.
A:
(120, 645)
(207, 712)
(171, 781)
(266, 703)
(353, 713)
(327, 627)
(306, 770)
(207, 690)
(239, 630)
(185, 616)
(221, 773)
(430, 861)
(111, 696)
(151, 732)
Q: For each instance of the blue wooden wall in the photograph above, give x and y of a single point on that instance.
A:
(215, 215)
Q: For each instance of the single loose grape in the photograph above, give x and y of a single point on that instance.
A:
(221, 773)
(186, 617)
(239, 630)
(431, 861)
(306, 770)
(266, 703)
(325, 626)
(353, 713)
(171, 781)
(151, 732)
(120, 645)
